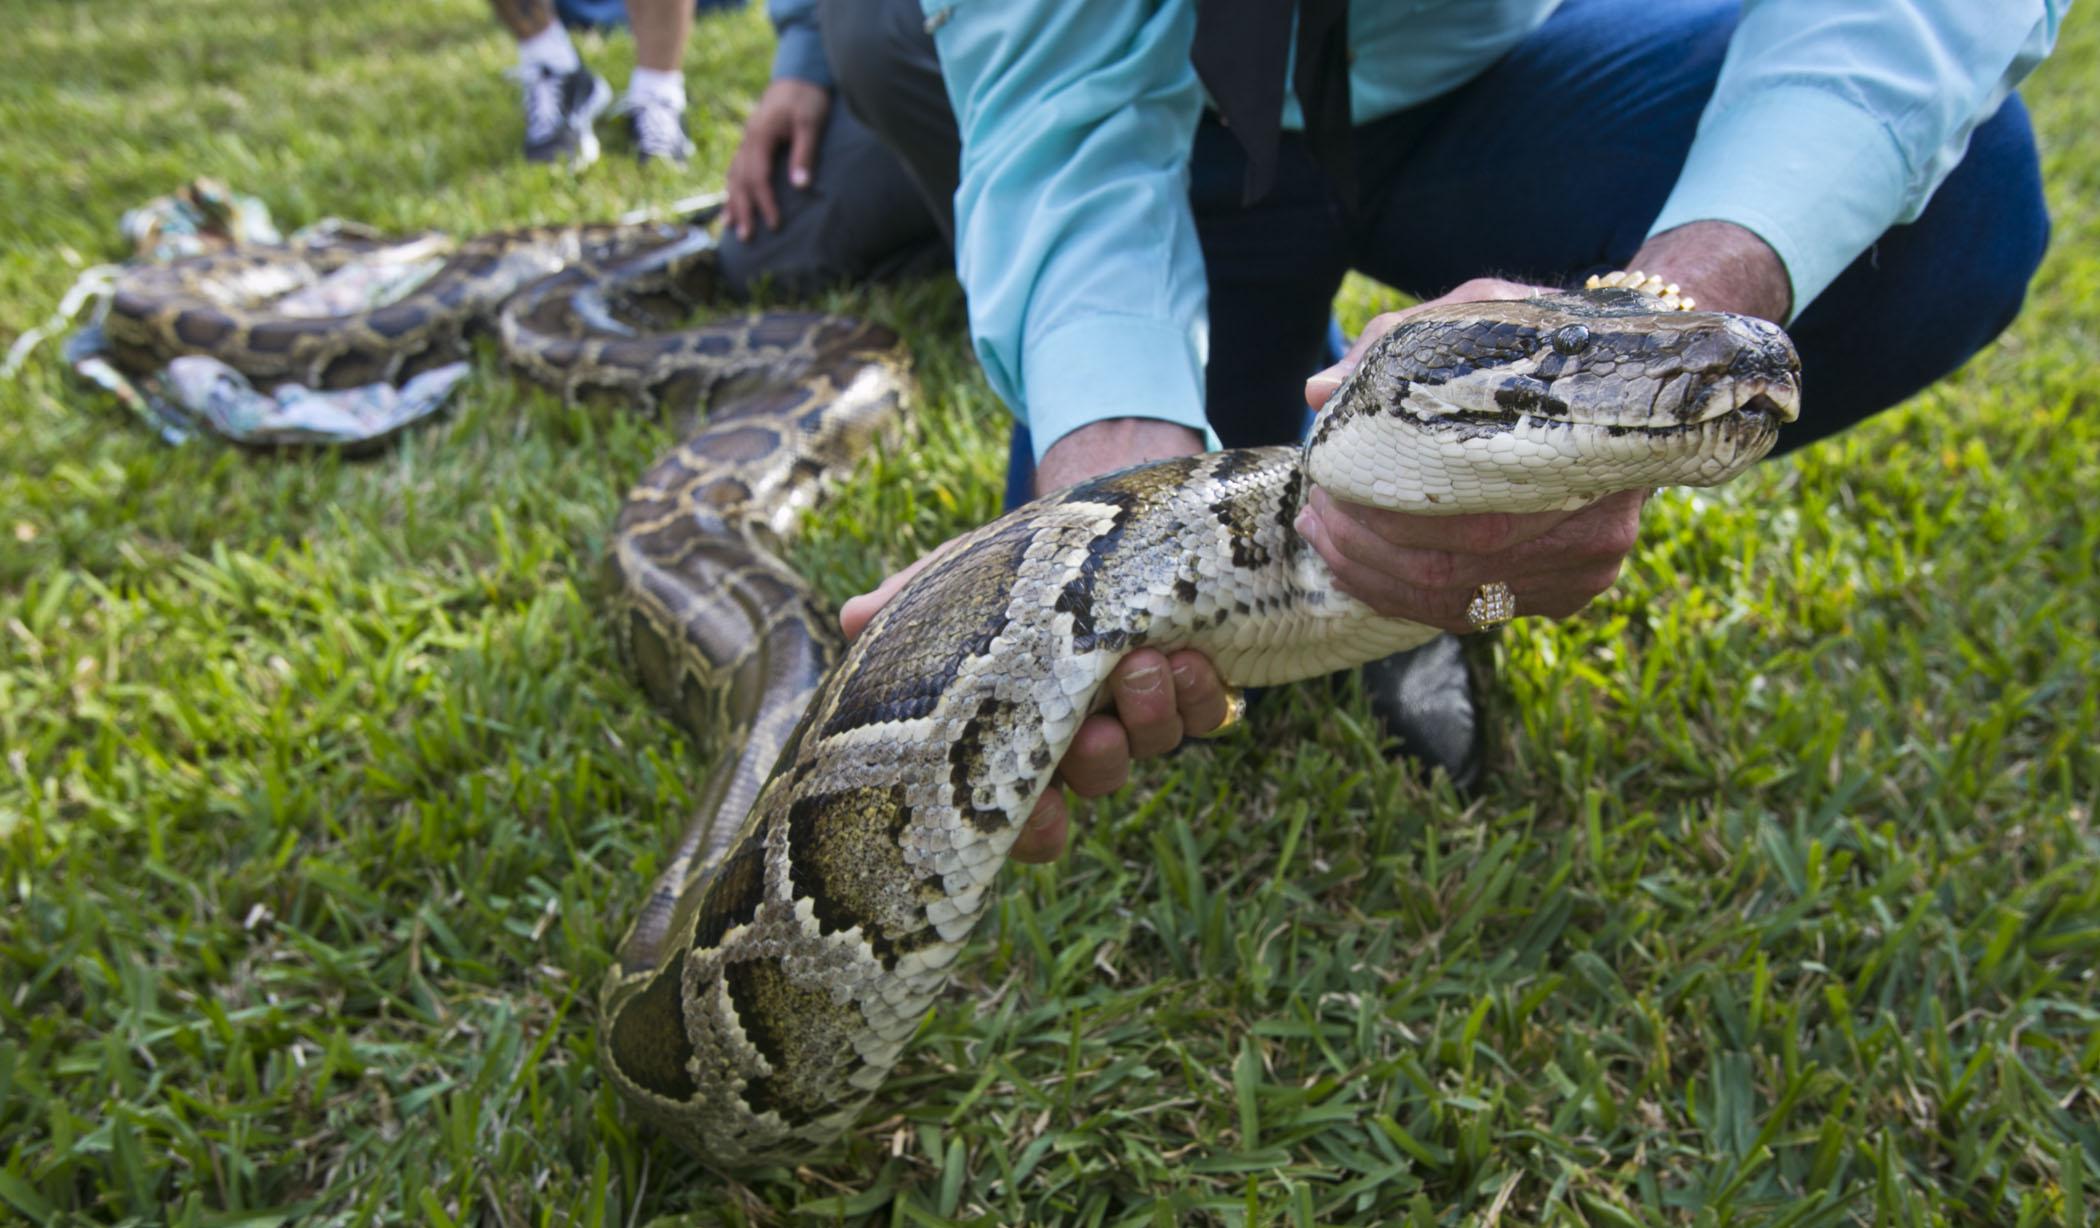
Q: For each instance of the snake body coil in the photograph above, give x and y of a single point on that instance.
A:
(816, 905)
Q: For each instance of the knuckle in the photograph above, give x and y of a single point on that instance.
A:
(1427, 569)
(1193, 674)
(1485, 533)
(1382, 593)
(1619, 536)
(1158, 739)
(1600, 578)
(1348, 538)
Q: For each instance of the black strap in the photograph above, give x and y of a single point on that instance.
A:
(1240, 52)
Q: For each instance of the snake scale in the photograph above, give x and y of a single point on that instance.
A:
(846, 846)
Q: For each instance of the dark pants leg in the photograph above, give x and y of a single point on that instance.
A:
(884, 63)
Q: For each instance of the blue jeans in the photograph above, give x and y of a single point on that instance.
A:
(1550, 166)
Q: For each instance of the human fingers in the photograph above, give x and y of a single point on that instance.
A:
(808, 130)
(1098, 761)
(749, 184)
(1321, 386)
(1142, 690)
(1553, 575)
(739, 202)
(854, 615)
(1475, 533)
(1154, 702)
(771, 126)
(1042, 836)
(1201, 696)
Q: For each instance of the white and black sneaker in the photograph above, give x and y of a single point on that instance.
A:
(658, 129)
(560, 108)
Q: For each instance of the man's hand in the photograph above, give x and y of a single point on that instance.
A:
(1426, 568)
(1155, 699)
(791, 112)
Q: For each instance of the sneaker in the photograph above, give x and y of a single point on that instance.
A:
(559, 110)
(658, 129)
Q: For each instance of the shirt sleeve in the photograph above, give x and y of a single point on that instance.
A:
(1074, 239)
(1834, 120)
(800, 49)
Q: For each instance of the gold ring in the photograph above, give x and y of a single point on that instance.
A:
(1667, 294)
(1492, 605)
(1235, 710)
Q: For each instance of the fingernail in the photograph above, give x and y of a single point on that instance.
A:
(1304, 523)
(1142, 681)
(1184, 675)
(1326, 381)
(798, 176)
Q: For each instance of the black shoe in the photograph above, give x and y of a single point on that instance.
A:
(559, 110)
(1424, 698)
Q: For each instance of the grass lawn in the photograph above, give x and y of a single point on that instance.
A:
(325, 798)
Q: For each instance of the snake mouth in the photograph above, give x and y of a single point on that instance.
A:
(1781, 400)
(1777, 398)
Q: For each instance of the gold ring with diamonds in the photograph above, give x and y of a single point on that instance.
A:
(1492, 605)
(1235, 708)
(1666, 293)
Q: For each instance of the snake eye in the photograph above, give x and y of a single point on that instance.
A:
(1573, 339)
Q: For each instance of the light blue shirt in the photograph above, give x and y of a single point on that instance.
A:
(1078, 252)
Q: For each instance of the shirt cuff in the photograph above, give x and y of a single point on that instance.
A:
(800, 54)
(1112, 367)
(1806, 171)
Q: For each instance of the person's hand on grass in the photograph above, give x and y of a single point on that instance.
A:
(791, 113)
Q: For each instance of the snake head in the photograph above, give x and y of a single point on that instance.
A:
(1547, 403)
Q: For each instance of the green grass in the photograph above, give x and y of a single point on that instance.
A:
(325, 797)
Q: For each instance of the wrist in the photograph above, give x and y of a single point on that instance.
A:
(1722, 267)
(1110, 444)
